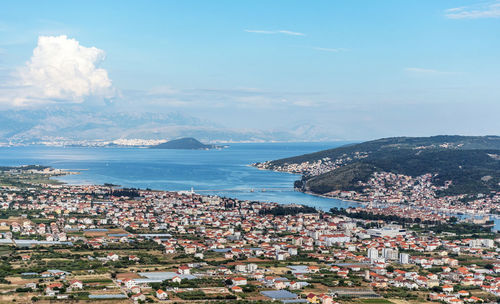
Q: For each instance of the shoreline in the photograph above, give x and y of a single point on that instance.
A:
(333, 197)
(348, 203)
(271, 170)
(364, 204)
(310, 192)
(233, 197)
(319, 209)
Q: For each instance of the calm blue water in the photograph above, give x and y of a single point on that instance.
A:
(180, 169)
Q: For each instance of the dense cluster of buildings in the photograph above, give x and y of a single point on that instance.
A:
(416, 197)
(312, 168)
(407, 196)
(337, 250)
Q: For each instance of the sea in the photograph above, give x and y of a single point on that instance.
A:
(225, 172)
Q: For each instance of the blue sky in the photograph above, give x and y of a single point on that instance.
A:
(349, 69)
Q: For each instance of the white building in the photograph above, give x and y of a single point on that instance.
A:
(161, 295)
(404, 258)
(333, 239)
(373, 254)
(390, 254)
(112, 257)
(252, 267)
(481, 243)
(389, 230)
(240, 267)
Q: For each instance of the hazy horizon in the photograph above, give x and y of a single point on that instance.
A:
(241, 70)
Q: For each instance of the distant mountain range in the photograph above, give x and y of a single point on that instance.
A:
(187, 143)
(471, 162)
(74, 125)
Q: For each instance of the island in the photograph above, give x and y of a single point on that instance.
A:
(186, 143)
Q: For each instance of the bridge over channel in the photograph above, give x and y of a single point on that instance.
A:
(279, 189)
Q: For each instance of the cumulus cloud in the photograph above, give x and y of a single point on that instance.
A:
(60, 70)
(482, 10)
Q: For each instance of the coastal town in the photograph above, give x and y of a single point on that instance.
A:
(101, 242)
(249, 152)
(387, 193)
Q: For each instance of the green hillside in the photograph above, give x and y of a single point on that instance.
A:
(400, 143)
(472, 163)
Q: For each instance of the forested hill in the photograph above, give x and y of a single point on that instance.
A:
(440, 142)
(187, 143)
(471, 163)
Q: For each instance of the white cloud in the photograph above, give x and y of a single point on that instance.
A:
(283, 32)
(291, 33)
(484, 10)
(60, 70)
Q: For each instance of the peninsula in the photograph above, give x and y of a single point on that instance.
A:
(455, 174)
